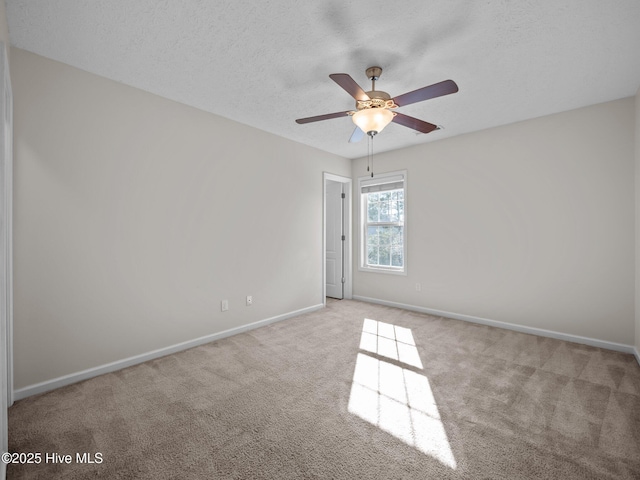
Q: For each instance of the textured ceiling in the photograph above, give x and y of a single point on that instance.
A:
(266, 63)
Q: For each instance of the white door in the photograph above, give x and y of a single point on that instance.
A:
(334, 241)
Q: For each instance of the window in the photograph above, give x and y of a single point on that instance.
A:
(382, 216)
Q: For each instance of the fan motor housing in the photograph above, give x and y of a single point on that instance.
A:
(377, 99)
(378, 95)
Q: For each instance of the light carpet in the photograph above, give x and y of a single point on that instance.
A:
(355, 390)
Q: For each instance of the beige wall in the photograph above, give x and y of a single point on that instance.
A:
(135, 216)
(4, 28)
(637, 136)
(530, 223)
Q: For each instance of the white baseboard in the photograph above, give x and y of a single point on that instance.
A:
(637, 354)
(509, 326)
(3, 470)
(161, 352)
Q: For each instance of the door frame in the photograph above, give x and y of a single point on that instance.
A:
(348, 232)
(6, 292)
(8, 192)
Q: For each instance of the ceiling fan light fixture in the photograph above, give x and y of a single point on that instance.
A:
(372, 119)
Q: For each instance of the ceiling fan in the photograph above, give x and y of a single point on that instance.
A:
(374, 109)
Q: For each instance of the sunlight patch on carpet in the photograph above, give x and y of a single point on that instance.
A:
(397, 400)
(391, 341)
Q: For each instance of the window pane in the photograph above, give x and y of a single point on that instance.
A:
(384, 211)
(384, 235)
(372, 211)
(397, 236)
(384, 256)
(372, 235)
(393, 205)
(396, 257)
(372, 255)
(399, 205)
(372, 207)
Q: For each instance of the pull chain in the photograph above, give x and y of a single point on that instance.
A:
(370, 136)
(370, 153)
(371, 156)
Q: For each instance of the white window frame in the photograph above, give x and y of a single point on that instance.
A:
(380, 178)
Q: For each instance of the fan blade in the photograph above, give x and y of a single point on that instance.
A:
(356, 136)
(432, 91)
(419, 125)
(349, 85)
(317, 118)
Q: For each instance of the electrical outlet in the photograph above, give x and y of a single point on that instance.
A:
(418, 287)
(224, 305)
(249, 300)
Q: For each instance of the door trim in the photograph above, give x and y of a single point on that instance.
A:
(6, 283)
(348, 224)
(8, 162)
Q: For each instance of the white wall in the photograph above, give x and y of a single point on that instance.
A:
(136, 215)
(530, 223)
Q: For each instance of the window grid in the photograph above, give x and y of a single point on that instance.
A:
(384, 229)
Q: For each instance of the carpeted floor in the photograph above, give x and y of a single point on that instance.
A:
(352, 391)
